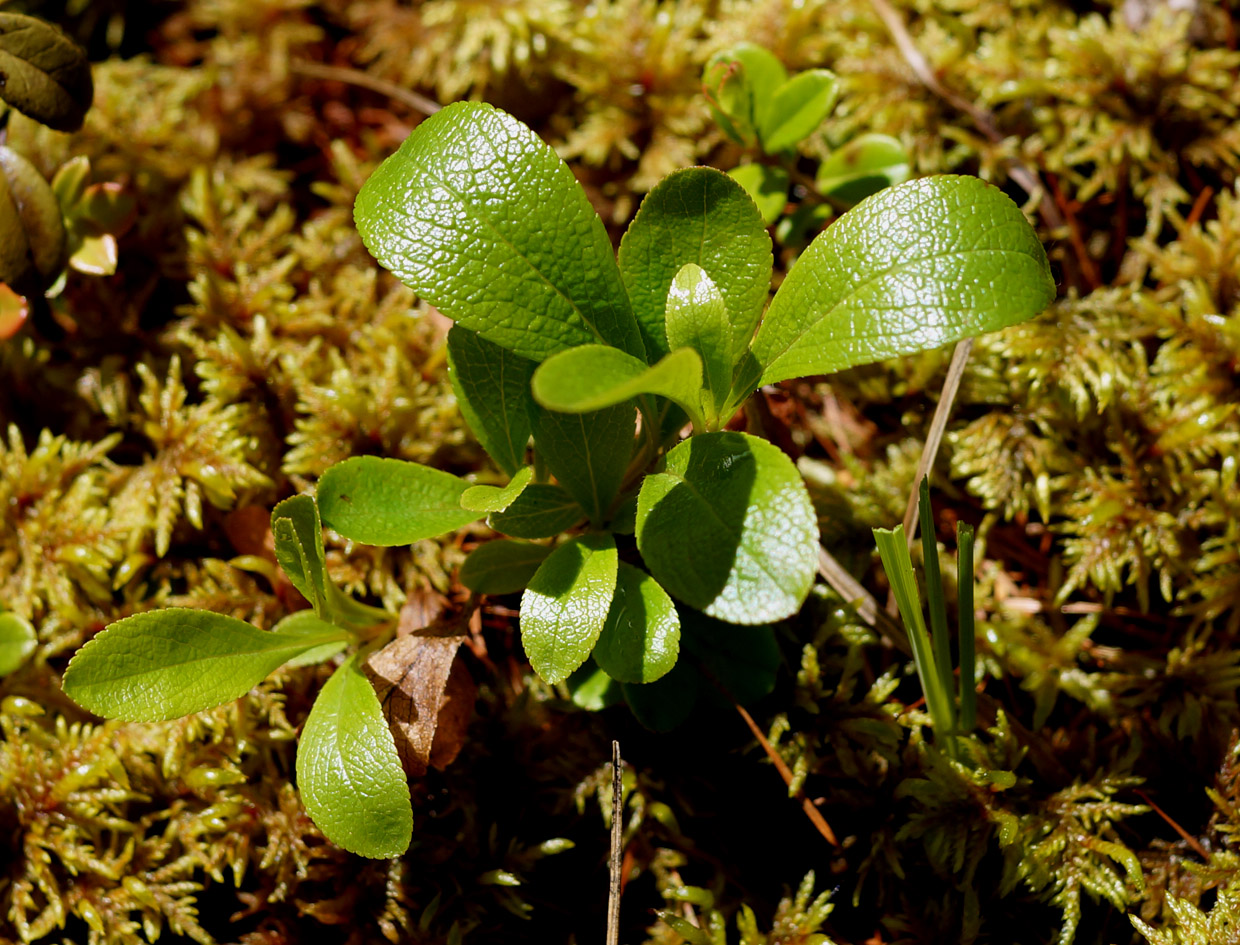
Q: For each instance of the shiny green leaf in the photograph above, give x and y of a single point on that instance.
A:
(595, 376)
(729, 528)
(641, 637)
(348, 773)
(391, 502)
(862, 167)
(485, 222)
(540, 511)
(797, 108)
(168, 663)
(697, 320)
(566, 604)
(492, 388)
(299, 548)
(740, 82)
(496, 498)
(304, 623)
(502, 566)
(697, 215)
(767, 186)
(912, 268)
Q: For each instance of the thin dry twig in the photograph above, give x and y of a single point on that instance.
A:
(938, 424)
(812, 812)
(849, 588)
(314, 70)
(1184, 834)
(617, 837)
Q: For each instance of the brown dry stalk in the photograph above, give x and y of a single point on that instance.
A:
(785, 772)
(314, 70)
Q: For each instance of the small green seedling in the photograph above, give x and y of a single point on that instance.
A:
(760, 107)
(168, 663)
(580, 373)
(951, 716)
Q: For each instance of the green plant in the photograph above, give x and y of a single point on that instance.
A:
(931, 649)
(669, 539)
(768, 113)
(47, 229)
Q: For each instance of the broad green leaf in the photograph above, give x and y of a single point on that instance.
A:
(566, 604)
(541, 511)
(492, 388)
(767, 186)
(496, 498)
(663, 704)
(483, 220)
(739, 82)
(592, 689)
(299, 548)
(304, 623)
(348, 772)
(862, 167)
(168, 663)
(697, 319)
(46, 74)
(587, 452)
(391, 502)
(502, 566)
(729, 528)
(697, 215)
(912, 268)
(17, 642)
(595, 376)
(641, 637)
(797, 108)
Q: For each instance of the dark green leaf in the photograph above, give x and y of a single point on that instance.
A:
(593, 377)
(31, 227)
(743, 660)
(493, 391)
(698, 215)
(663, 704)
(911, 268)
(502, 566)
(587, 452)
(496, 498)
(641, 638)
(17, 641)
(797, 108)
(541, 511)
(566, 604)
(863, 167)
(45, 74)
(483, 220)
(767, 186)
(299, 548)
(304, 623)
(391, 502)
(728, 528)
(348, 773)
(168, 663)
(697, 320)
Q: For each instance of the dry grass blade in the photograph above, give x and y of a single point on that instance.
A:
(617, 837)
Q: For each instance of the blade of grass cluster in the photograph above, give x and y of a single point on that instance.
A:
(893, 551)
(934, 590)
(964, 607)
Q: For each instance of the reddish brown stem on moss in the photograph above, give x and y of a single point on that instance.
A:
(785, 772)
(1184, 834)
